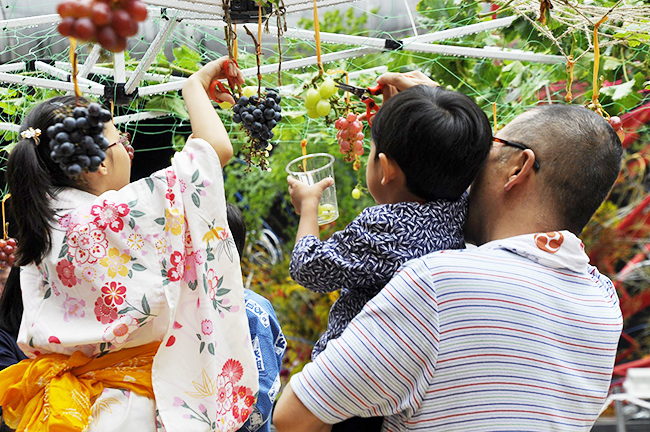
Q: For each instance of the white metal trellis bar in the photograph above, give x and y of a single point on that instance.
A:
(150, 55)
(90, 61)
(408, 11)
(13, 67)
(9, 127)
(96, 89)
(29, 21)
(139, 116)
(486, 52)
(99, 70)
(462, 31)
(61, 74)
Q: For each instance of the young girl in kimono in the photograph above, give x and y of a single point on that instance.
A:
(134, 314)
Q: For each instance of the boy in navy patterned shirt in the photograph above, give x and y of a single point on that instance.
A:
(427, 146)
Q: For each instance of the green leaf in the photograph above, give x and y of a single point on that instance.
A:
(198, 335)
(149, 183)
(187, 58)
(137, 213)
(160, 221)
(211, 348)
(130, 274)
(196, 200)
(617, 92)
(64, 251)
(139, 267)
(205, 284)
(201, 347)
(48, 293)
(125, 310)
(192, 285)
(170, 104)
(145, 305)
(195, 176)
(133, 203)
(132, 223)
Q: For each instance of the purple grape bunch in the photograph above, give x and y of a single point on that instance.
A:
(259, 116)
(77, 142)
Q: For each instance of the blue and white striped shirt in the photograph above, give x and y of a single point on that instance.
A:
(519, 334)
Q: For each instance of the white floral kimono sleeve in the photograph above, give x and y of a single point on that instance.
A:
(154, 261)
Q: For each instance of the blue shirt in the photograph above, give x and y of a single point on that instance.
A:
(269, 345)
(363, 257)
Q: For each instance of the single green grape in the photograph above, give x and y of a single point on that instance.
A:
(323, 107)
(249, 91)
(356, 193)
(312, 97)
(327, 89)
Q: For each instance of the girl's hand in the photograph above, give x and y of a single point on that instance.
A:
(222, 68)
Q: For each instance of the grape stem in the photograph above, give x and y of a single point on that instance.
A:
(258, 53)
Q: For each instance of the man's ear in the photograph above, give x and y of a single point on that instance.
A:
(521, 170)
(390, 169)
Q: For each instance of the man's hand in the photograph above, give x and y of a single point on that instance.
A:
(396, 82)
(290, 415)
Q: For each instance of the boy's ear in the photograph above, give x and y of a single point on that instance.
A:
(390, 169)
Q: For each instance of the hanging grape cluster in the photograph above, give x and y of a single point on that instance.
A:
(7, 252)
(76, 140)
(108, 22)
(349, 136)
(317, 99)
(258, 116)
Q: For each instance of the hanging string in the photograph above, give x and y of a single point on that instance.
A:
(234, 43)
(494, 115)
(317, 37)
(303, 144)
(73, 62)
(5, 224)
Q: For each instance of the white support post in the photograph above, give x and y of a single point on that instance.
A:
(408, 11)
(96, 89)
(161, 88)
(119, 68)
(90, 61)
(148, 58)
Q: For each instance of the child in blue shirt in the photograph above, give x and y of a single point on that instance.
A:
(268, 340)
(427, 146)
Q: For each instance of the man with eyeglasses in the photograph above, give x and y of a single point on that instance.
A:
(519, 333)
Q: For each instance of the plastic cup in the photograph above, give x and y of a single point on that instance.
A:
(311, 169)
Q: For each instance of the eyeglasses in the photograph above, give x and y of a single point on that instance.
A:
(520, 147)
(125, 140)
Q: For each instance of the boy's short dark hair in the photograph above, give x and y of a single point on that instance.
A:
(439, 138)
(237, 227)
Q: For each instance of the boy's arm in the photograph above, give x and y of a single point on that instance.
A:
(205, 121)
(305, 199)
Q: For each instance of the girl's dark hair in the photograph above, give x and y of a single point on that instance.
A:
(11, 304)
(32, 177)
(237, 227)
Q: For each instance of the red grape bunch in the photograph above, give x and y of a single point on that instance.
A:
(258, 116)
(7, 252)
(108, 22)
(77, 142)
(349, 136)
(617, 124)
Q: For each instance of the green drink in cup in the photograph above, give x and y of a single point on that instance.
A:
(311, 169)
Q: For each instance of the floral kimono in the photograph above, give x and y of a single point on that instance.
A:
(154, 261)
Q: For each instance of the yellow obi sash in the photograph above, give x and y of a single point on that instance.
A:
(54, 392)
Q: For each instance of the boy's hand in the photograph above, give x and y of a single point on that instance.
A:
(218, 69)
(306, 197)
